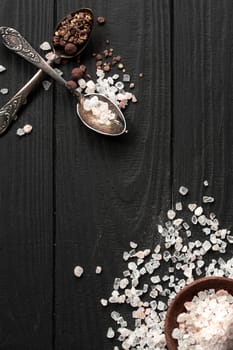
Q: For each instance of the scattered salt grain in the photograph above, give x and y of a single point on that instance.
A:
(133, 245)
(192, 206)
(183, 190)
(20, 132)
(2, 68)
(45, 46)
(207, 199)
(178, 206)
(46, 84)
(206, 183)
(4, 91)
(171, 214)
(78, 271)
(110, 333)
(104, 302)
(115, 76)
(198, 211)
(98, 270)
(27, 129)
(126, 78)
(119, 85)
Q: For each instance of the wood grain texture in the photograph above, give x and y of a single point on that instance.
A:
(203, 125)
(26, 194)
(111, 190)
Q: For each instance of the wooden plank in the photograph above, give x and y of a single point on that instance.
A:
(202, 124)
(111, 190)
(26, 193)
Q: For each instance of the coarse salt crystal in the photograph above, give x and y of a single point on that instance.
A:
(198, 211)
(20, 132)
(27, 129)
(78, 271)
(98, 270)
(45, 46)
(2, 68)
(4, 91)
(183, 190)
(104, 302)
(171, 214)
(46, 84)
(110, 333)
(207, 199)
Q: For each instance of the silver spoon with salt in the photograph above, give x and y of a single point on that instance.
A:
(8, 113)
(95, 110)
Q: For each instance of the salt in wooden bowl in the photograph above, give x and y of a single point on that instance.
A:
(186, 294)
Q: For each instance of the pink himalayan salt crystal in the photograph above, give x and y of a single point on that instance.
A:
(27, 128)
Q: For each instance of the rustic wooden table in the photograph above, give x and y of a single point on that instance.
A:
(71, 197)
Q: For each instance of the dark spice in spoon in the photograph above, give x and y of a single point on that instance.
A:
(73, 32)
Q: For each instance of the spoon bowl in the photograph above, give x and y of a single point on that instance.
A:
(74, 31)
(109, 121)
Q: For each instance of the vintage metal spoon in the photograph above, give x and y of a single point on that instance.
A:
(8, 113)
(113, 126)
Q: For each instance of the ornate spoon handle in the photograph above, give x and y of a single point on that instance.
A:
(8, 113)
(14, 41)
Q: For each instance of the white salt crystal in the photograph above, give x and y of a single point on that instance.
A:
(104, 302)
(45, 46)
(178, 206)
(206, 246)
(4, 91)
(183, 190)
(192, 206)
(207, 199)
(82, 83)
(20, 132)
(2, 68)
(230, 239)
(98, 270)
(124, 283)
(155, 279)
(171, 214)
(133, 245)
(110, 333)
(46, 84)
(126, 77)
(198, 211)
(132, 266)
(78, 271)
(161, 305)
(205, 183)
(177, 222)
(194, 219)
(90, 84)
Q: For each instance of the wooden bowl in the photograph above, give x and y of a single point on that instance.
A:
(186, 294)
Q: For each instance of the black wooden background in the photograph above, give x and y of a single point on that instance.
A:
(71, 197)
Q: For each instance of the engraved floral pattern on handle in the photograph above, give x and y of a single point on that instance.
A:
(14, 41)
(8, 112)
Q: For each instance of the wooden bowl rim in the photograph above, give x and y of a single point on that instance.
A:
(186, 294)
